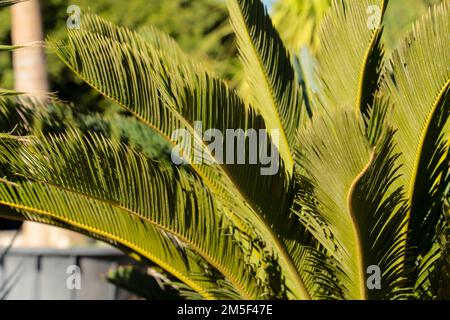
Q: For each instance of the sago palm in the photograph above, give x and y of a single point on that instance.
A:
(356, 209)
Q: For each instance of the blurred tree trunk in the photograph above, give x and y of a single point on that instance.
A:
(30, 75)
(30, 67)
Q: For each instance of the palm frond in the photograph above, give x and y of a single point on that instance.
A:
(354, 199)
(167, 92)
(86, 176)
(350, 55)
(186, 97)
(433, 281)
(419, 90)
(275, 92)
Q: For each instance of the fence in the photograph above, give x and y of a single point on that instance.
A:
(48, 274)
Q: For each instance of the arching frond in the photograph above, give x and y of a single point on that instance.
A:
(354, 199)
(433, 280)
(275, 92)
(419, 90)
(350, 55)
(168, 92)
(106, 222)
(186, 97)
(105, 176)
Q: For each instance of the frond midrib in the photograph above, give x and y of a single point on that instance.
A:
(359, 252)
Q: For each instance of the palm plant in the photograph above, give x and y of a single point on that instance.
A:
(362, 178)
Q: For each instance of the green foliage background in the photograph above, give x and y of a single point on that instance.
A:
(201, 28)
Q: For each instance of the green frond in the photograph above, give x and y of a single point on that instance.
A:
(275, 92)
(350, 54)
(433, 281)
(200, 272)
(353, 197)
(168, 97)
(106, 222)
(320, 273)
(419, 90)
(169, 93)
(376, 120)
(157, 39)
(111, 175)
(359, 158)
